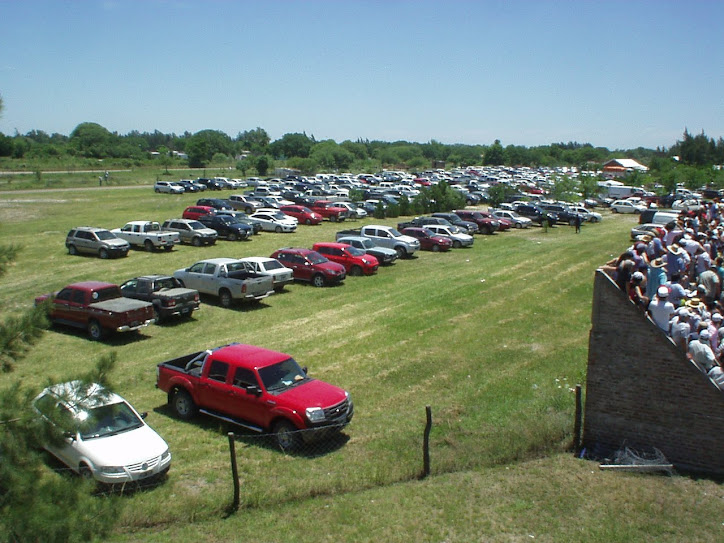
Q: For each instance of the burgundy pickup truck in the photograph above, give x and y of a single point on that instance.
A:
(259, 389)
(98, 308)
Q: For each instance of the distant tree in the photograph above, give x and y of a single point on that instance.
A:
(164, 157)
(6, 145)
(263, 164)
(256, 141)
(564, 188)
(494, 155)
(91, 140)
(358, 150)
(589, 186)
(405, 206)
(497, 194)
(292, 145)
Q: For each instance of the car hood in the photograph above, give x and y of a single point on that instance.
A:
(122, 449)
(312, 393)
(331, 267)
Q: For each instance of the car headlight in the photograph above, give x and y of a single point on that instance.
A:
(315, 414)
(165, 454)
(112, 470)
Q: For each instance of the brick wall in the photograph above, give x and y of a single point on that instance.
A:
(643, 392)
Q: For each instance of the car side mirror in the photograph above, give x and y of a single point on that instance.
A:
(253, 389)
(144, 415)
(304, 369)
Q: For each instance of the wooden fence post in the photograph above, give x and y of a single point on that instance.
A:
(234, 471)
(426, 443)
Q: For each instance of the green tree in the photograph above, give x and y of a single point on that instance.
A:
(256, 141)
(263, 164)
(292, 145)
(494, 155)
(497, 194)
(91, 140)
(564, 188)
(164, 157)
(589, 186)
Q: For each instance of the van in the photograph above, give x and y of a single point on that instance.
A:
(623, 191)
(655, 216)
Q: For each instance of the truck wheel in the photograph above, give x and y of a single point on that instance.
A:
(95, 330)
(72, 250)
(248, 211)
(148, 245)
(401, 251)
(519, 225)
(85, 472)
(278, 229)
(355, 271)
(103, 253)
(196, 241)
(231, 236)
(225, 298)
(318, 280)
(287, 436)
(183, 405)
(156, 314)
(168, 248)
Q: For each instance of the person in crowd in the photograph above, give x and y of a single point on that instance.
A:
(656, 277)
(677, 293)
(709, 280)
(635, 292)
(680, 328)
(677, 260)
(661, 309)
(700, 352)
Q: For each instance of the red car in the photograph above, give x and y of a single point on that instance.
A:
(309, 265)
(194, 212)
(355, 261)
(328, 210)
(428, 240)
(503, 224)
(303, 214)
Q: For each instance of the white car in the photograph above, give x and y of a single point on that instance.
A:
(686, 204)
(587, 214)
(168, 186)
(625, 206)
(458, 238)
(280, 274)
(105, 438)
(273, 220)
(354, 210)
(518, 221)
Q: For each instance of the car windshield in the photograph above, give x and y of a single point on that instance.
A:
(196, 225)
(354, 251)
(316, 258)
(105, 235)
(109, 293)
(282, 376)
(395, 233)
(107, 420)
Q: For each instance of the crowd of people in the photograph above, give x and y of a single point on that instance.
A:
(675, 274)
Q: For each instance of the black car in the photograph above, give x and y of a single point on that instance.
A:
(216, 203)
(563, 214)
(227, 226)
(466, 226)
(242, 218)
(536, 214)
(210, 184)
(190, 186)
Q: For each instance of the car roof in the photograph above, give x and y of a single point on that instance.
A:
(80, 396)
(91, 285)
(331, 244)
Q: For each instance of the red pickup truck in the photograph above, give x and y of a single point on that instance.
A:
(328, 210)
(259, 389)
(98, 308)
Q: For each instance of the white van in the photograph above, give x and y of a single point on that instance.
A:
(623, 191)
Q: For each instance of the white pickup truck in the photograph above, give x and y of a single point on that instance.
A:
(147, 234)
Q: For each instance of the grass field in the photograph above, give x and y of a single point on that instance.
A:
(492, 338)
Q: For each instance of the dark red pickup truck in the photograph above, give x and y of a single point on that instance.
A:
(328, 210)
(98, 308)
(259, 389)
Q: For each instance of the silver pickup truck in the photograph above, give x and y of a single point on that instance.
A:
(147, 234)
(229, 279)
(386, 236)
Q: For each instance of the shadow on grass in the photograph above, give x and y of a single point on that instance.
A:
(115, 339)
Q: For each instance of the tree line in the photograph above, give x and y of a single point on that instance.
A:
(254, 150)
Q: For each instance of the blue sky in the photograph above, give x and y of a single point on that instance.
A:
(614, 74)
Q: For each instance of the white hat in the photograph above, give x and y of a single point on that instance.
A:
(716, 317)
(663, 292)
(704, 335)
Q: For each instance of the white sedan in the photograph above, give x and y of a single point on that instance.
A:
(626, 206)
(273, 220)
(280, 274)
(587, 214)
(519, 221)
(104, 437)
(458, 238)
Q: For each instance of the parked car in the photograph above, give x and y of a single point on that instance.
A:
(355, 261)
(458, 238)
(586, 214)
(227, 227)
(309, 265)
(194, 212)
(104, 437)
(242, 218)
(169, 187)
(652, 229)
(95, 241)
(329, 210)
(564, 214)
(216, 203)
(383, 255)
(273, 220)
(190, 231)
(536, 214)
(469, 227)
(210, 184)
(302, 213)
(244, 203)
(168, 296)
(228, 279)
(428, 240)
(280, 274)
(97, 307)
(353, 211)
(261, 390)
(385, 236)
(486, 225)
(147, 234)
(190, 186)
(626, 206)
(518, 221)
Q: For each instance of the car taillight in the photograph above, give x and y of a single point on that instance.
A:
(196, 297)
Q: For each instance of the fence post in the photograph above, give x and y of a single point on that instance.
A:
(234, 471)
(577, 422)
(426, 443)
